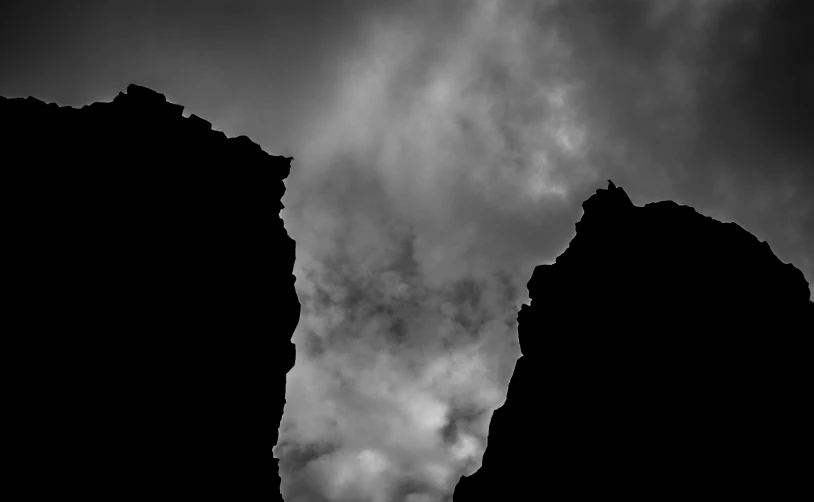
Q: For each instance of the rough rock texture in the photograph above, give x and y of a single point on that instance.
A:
(152, 300)
(664, 353)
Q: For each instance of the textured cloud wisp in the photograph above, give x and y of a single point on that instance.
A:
(418, 207)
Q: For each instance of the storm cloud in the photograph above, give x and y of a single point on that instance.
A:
(707, 102)
(441, 151)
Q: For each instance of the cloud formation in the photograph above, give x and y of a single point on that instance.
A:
(420, 205)
(451, 159)
(441, 150)
(707, 102)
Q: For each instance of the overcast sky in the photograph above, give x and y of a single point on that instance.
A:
(709, 103)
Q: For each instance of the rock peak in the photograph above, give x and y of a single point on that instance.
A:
(607, 200)
(145, 101)
(147, 261)
(666, 338)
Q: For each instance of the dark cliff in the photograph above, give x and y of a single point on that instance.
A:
(152, 298)
(153, 304)
(665, 353)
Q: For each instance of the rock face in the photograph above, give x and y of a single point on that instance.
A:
(153, 298)
(664, 352)
(153, 306)
(663, 256)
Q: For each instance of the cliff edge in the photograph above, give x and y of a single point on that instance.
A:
(664, 353)
(152, 295)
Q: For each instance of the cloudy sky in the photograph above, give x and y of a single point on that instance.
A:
(705, 102)
(441, 150)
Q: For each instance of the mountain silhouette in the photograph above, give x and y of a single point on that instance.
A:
(153, 304)
(664, 353)
(152, 299)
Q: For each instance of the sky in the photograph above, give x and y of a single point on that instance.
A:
(705, 102)
(441, 150)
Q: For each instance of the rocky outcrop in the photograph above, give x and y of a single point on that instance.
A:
(664, 353)
(152, 298)
(153, 306)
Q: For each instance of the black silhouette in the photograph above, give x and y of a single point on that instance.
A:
(153, 303)
(665, 353)
(153, 299)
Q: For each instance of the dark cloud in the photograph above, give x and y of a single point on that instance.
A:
(765, 75)
(708, 102)
(705, 102)
(251, 67)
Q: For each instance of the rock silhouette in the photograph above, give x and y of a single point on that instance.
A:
(665, 353)
(153, 299)
(153, 303)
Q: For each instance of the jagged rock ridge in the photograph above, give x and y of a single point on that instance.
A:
(665, 353)
(153, 294)
(146, 254)
(711, 264)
